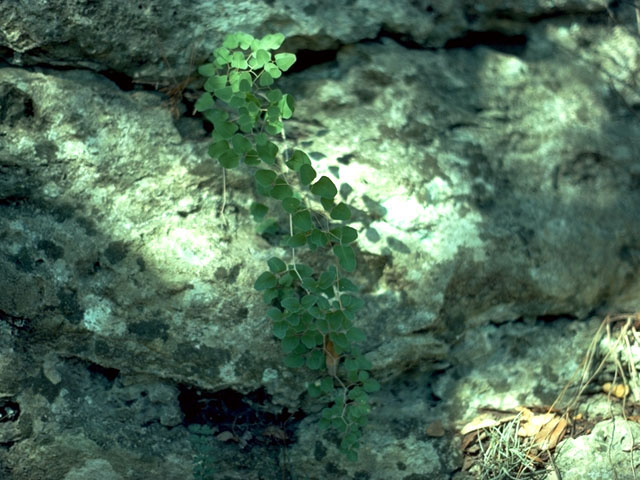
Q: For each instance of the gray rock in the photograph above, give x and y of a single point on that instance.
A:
(165, 39)
(492, 180)
(607, 452)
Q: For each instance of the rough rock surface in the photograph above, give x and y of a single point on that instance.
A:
(490, 152)
(141, 38)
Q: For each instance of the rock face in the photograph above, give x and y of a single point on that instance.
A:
(490, 152)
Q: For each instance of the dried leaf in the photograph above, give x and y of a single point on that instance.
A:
(467, 440)
(525, 413)
(482, 421)
(275, 432)
(532, 426)
(557, 434)
(619, 390)
(468, 463)
(541, 439)
(226, 436)
(435, 429)
(331, 358)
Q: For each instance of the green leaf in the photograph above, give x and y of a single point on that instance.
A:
(335, 320)
(218, 148)
(259, 58)
(346, 285)
(229, 159)
(273, 127)
(244, 85)
(291, 204)
(224, 93)
(286, 280)
(253, 106)
(294, 321)
(297, 160)
(281, 191)
(272, 70)
(352, 455)
(311, 338)
(315, 361)
(327, 277)
(285, 60)
(339, 425)
(226, 129)
(341, 212)
(326, 385)
(296, 240)
(363, 375)
(222, 56)
(371, 385)
(302, 221)
(346, 257)
(323, 304)
(350, 439)
(236, 78)
(275, 314)
(216, 82)
(339, 340)
(292, 304)
(350, 365)
(347, 235)
(269, 295)
(273, 113)
(317, 238)
(265, 280)
(271, 41)
(363, 362)
(267, 152)
(289, 343)
(274, 95)
(327, 204)
(323, 326)
(214, 116)
(246, 123)
(245, 40)
(207, 69)
(276, 265)
(314, 391)
(351, 302)
(238, 101)
(308, 301)
(217, 116)
(355, 334)
(304, 270)
(205, 102)
(258, 211)
(293, 361)
(311, 285)
(324, 188)
(240, 143)
(279, 329)
(265, 177)
(261, 139)
(231, 41)
(286, 106)
(238, 61)
(265, 79)
(251, 158)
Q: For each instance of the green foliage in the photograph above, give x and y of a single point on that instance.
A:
(203, 442)
(312, 313)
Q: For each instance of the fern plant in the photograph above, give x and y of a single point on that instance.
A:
(312, 312)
